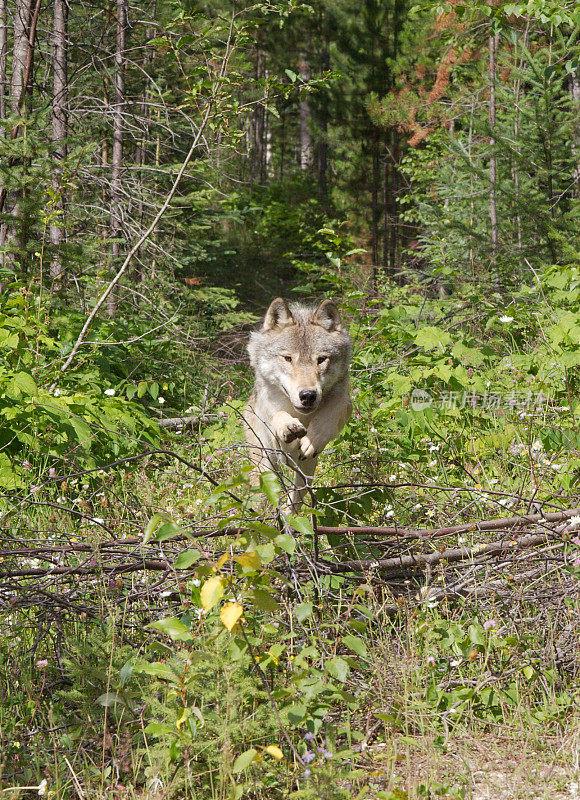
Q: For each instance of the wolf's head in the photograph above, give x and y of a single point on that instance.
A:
(303, 350)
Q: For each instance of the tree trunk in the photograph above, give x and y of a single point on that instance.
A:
(257, 155)
(322, 146)
(575, 92)
(375, 212)
(306, 146)
(3, 52)
(117, 154)
(13, 232)
(59, 135)
(493, 42)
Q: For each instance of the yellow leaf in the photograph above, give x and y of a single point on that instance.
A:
(222, 560)
(251, 560)
(230, 614)
(274, 751)
(212, 592)
(182, 719)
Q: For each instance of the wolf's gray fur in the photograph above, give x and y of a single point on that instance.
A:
(301, 397)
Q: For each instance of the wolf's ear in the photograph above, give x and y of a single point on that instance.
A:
(328, 316)
(278, 315)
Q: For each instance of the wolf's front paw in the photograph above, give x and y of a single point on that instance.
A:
(307, 449)
(293, 429)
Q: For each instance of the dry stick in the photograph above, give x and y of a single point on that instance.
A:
(395, 563)
(431, 559)
(485, 525)
(139, 243)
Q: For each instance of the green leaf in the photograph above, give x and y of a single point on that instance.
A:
(158, 670)
(301, 524)
(109, 699)
(270, 485)
(125, 672)
(476, 635)
(266, 552)
(152, 526)
(338, 668)
(431, 338)
(185, 559)
(167, 531)
(175, 629)
(264, 600)
(244, 760)
(159, 729)
(296, 713)
(355, 644)
(286, 542)
(303, 611)
(24, 383)
(8, 340)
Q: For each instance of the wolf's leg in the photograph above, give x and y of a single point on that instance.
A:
(326, 425)
(302, 482)
(262, 463)
(286, 427)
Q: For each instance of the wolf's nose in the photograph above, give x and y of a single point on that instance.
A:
(307, 397)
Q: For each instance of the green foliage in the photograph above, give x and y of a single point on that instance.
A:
(40, 422)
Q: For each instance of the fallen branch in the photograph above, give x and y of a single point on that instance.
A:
(176, 423)
(429, 533)
(451, 555)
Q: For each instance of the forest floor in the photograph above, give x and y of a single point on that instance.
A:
(481, 767)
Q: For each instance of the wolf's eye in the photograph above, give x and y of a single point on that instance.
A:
(288, 359)
(322, 359)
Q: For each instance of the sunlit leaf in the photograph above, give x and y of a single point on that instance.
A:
(274, 750)
(230, 614)
(244, 760)
(212, 592)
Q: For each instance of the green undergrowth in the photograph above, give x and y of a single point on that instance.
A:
(246, 673)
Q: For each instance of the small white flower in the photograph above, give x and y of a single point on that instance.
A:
(431, 512)
(434, 447)
(574, 521)
(537, 445)
(166, 593)
(389, 514)
(417, 507)
(392, 478)
(195, 582)
(433, 463)
(43, 787)
(462, 539)
(506, 319)
(57, 392)
(160, 400)
(110, 392)
(456, 662)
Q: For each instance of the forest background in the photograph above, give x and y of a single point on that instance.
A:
(166, 169)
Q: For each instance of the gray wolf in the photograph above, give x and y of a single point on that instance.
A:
(301, 398)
